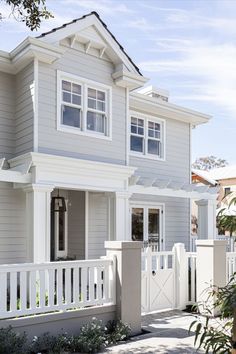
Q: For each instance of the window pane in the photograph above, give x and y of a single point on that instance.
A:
(66, 85)
(91, 93)
(91, 103)
(76, 89)
(101, 106)
(157, 135)
(140, 131)
(157, 126)
(66, 96)
(134, 120)
(141, 122)
(136, 143)
(153, 147)
(150, 125)
(96, 122)
(76, 99)
(101, 95)
(71, 116)
(133, 129)
(137, 224)
(153, 225)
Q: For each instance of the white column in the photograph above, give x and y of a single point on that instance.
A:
(211, 269)
(181, 269)
(122, 216)
(206, 219)
(38, 199)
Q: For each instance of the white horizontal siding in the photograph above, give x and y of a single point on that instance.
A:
(177, 164)
(24, 110)
(68, 144)
(13, 241)
(7, 112)
(98, 224)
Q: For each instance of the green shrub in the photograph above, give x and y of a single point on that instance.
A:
(12, 343)
(50, 344)
(92, 337)
(117, 331)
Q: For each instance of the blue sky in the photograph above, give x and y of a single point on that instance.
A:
(187, 47)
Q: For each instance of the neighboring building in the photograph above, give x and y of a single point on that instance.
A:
(85, 156)
(226, 178)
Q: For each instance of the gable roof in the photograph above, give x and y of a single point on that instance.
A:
(93, 13)
(205, 175)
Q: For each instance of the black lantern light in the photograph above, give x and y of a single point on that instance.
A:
(58, 203)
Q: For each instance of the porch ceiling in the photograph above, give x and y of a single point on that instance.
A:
(171, 188)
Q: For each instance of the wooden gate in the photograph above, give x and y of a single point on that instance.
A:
(158, 280)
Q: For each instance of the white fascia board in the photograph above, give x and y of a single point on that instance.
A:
(166, 109)
(26, 51)
(14, 177)
(128, 80)
(72, 173)
(168, 192)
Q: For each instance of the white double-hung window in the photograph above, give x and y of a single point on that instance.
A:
(84, 106)
(147, 136)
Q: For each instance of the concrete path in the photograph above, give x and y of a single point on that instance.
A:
(169, 334)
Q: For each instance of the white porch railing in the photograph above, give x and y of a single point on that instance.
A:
(230, 264)
(56, 286)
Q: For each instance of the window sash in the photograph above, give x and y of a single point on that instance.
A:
(84, 108)
(146, 137)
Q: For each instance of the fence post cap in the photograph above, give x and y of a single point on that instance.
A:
(120, 245)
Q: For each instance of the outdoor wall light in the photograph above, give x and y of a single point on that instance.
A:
(58, 203)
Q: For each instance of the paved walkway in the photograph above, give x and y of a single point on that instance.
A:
(169, 334)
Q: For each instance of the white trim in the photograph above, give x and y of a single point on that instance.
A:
(84, 106)
(169, 192)
(166, 109)
(146, 206)
(146, 118)
(35, 105)
(127, 127)
(86, 233)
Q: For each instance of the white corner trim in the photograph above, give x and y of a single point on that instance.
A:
(86, 236)
(35, 105)
(127, 126)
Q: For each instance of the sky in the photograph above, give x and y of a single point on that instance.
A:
(187, 47)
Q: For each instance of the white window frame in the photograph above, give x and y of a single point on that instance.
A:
(85, 84)
(146, 206)
(58, 253)
(148, 118)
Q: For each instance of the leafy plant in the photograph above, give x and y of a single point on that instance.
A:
(92, 337)
(218, 336)
(11, 342)
(117, 331)
(227, 222)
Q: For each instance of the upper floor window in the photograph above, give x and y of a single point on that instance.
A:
(84, 106)
(147, 136)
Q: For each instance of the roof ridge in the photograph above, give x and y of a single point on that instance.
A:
(104, 25)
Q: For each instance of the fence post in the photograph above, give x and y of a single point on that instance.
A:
(128, 281)
(181, 275)
(211, 269)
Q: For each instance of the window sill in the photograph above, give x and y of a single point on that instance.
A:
(149, 157)
(83, 133)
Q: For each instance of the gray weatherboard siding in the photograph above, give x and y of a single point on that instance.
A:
(68, 144)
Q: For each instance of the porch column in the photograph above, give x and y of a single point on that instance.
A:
(206, 219)
(38, 199)
(122, 216)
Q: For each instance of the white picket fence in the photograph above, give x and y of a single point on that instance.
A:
(192, 273)
(230, 265)
(55, 286)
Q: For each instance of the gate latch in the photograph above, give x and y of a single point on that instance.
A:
(153, 272)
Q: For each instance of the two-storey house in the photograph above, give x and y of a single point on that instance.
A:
(87, 153)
